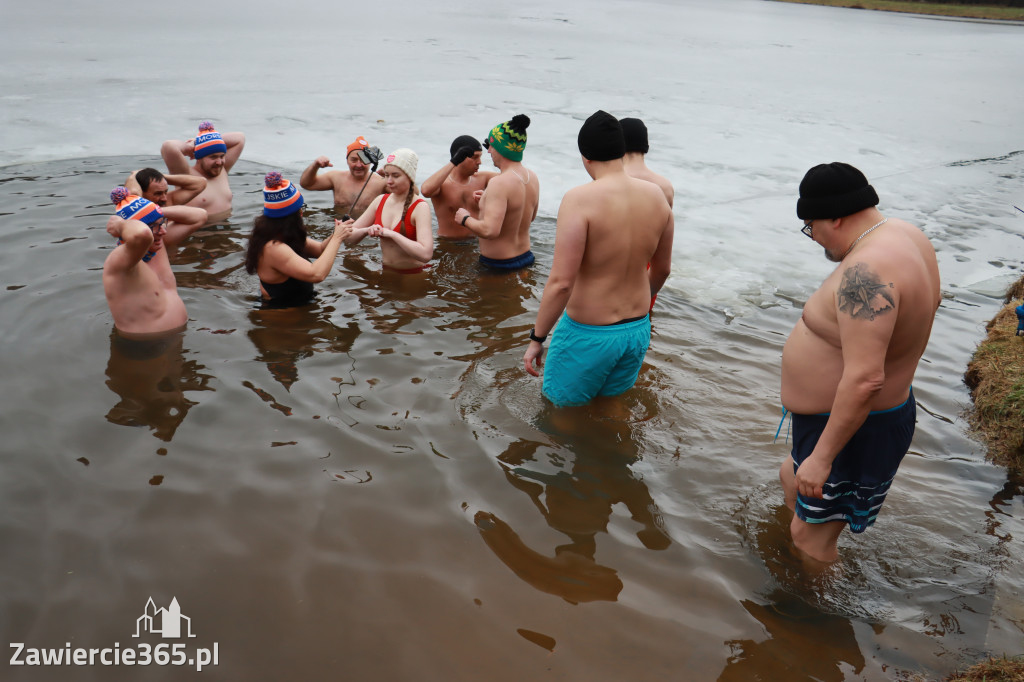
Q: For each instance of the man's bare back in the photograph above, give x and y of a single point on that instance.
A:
(608, 231)
(510, 204)
(624, 222)
(637, 168)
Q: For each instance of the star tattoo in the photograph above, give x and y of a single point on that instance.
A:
(862, 295)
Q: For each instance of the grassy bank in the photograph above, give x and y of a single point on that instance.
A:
(935, 8)
(995, 376)
(993, 670)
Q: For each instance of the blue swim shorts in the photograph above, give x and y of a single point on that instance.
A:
(587, 360)
(521, 261)
(862, 471)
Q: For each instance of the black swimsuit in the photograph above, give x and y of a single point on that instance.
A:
(291, 292)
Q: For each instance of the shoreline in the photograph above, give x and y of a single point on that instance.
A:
(1011, 15)
(995, 377)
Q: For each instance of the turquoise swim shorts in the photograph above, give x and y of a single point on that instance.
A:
(586, 360)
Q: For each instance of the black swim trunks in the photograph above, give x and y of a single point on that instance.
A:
(862, 471)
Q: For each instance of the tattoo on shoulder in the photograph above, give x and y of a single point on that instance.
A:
(863, 295)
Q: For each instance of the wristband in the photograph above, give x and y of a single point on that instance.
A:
(464, 219)
(538, 339)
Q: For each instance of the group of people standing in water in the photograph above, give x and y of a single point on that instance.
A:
(606, 281)
(847, 367)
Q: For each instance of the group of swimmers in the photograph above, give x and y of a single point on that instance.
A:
(847, 367)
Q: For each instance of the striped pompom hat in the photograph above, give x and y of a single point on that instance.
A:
(208, 141)
(131, 207)
(280, 197)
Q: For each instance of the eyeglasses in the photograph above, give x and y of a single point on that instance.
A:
(807, 229)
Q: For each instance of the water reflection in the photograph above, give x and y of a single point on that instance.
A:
(575, 485)
(204, 250)
(284, 336)
(150, 376)
(787, 652)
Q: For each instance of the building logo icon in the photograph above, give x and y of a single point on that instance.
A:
(165, 622)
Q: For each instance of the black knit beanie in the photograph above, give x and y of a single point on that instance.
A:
(635, 132)
(465, 141)
(834, 190)
(600, 138)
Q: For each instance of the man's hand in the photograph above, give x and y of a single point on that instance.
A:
(115, 224)
(534, 358)
(461, 215)
(461, 154)
(811, 476)
(323, 162)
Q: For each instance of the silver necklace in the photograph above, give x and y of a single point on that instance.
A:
(525, 182)
(863, 234)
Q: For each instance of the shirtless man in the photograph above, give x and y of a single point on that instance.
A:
(137, 277)
(215, 155)
(346, 185)
(457, 184)
(848, 364)
(182, 220)
(510, 203)
(599, 276)
(635, 132)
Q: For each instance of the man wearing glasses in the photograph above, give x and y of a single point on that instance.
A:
(137, 277)
(355, 188)
(848, 364)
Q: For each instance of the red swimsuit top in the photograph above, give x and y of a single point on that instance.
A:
(404, 224)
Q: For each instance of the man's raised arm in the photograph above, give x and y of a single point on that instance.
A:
(136, 238)
(176, 154)
(235, 142)
(188, 188)
(311, 181)
(182, 221)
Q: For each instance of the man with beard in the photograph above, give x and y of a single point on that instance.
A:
(459, 183)
(215, 155)
(357, 182)
(182, 220)
(137, 277)
(848, 364)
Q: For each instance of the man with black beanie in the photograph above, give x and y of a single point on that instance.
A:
(848, 364)
(637, 146)
(599, 289)
(460, 182)
(635, 133)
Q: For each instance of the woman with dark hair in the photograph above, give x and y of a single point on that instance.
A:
(279, 247)
(399, 219)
